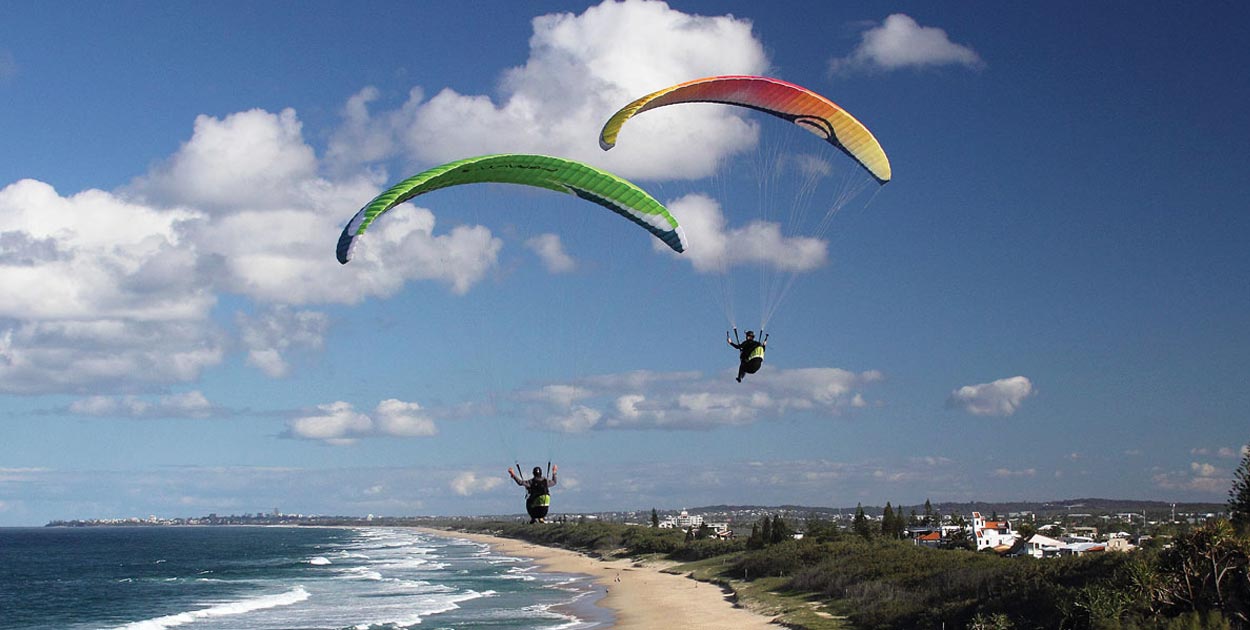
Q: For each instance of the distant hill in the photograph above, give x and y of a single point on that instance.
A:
(1042, 509)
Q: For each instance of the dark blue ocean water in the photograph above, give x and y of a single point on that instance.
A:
(287, 578)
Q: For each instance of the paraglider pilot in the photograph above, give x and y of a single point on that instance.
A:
(751, 353)
(537, 493)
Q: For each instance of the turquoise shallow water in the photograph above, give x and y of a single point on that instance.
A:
(202, 578)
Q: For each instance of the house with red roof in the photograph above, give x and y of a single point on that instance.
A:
(996, 535)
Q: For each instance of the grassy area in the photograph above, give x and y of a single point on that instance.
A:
(767, 596)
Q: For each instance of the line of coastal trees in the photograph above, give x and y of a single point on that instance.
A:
(865, 577)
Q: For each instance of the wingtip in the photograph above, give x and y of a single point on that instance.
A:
(343, 251)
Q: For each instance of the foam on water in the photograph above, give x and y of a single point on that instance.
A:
(295, 595)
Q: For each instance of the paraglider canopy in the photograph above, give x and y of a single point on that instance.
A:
(791, 102)
(558, 174)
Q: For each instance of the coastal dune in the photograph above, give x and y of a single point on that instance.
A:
(642, 597)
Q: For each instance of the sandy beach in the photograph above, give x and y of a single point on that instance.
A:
(642, 597)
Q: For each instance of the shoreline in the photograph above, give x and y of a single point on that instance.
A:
(640, 595)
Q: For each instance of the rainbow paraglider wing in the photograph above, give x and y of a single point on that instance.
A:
(799, 105)
(558, 174)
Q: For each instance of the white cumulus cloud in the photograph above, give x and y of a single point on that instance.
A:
(900, 42)
(403, 419)
(582, 68)
(269, 334)
(252, 159)
(116, 289)
(469, 483)
(335, 423)
(999, 398)
(551, 251)
(268, 229)
(721, 247)
(339, 423)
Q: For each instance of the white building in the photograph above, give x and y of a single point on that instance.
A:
(1040, 546)
(996, 535)
(685, 520)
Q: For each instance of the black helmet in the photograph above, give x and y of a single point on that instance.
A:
(538, 471)
(750, 334)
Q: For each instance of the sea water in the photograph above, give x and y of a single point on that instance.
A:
(202, 578)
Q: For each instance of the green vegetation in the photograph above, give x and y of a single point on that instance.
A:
(1239, 495)
(835, 579)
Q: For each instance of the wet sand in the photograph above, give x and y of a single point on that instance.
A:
(641, 597)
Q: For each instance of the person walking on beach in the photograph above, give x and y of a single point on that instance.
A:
(537, 492)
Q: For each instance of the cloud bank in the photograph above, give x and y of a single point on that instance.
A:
(113, 291)
(1201, 477)
(191, 404)
(645, 400)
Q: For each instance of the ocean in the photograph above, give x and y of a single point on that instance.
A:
(290, 578)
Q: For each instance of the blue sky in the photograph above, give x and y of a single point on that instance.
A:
(1048, 301)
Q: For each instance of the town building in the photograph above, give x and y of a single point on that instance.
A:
(996, 535)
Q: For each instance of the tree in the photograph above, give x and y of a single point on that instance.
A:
(1052, 530)
(928, 514)
(655, 518)
(887, 521)
(780, 530)
(1026, 530)
(756, 541)
(1239, 495)
(860, 524)
(893, 524)
(960, 538)
(1206, 570)
(900, 523)
(704, 532)
(822, 529)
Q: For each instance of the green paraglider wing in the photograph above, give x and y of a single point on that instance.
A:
(558, 174)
